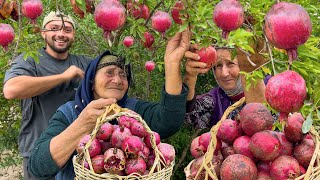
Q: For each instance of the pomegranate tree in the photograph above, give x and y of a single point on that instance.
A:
(286, 92)
(161, 22)
(32, 9)
(110, 16)
(228, 15)
(287, 26)
(138, 10)
(6, 35)
(208, 55)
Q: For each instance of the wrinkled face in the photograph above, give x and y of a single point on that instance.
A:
(58, 40)
(110, 82)
(226, 70)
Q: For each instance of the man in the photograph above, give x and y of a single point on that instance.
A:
(45, 85)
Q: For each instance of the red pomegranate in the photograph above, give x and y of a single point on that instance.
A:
(148, 40)
(150, 65)
(286, 92)
(168, 152)
(31, 9)
(208, 55)
(228, 15)
(229, 131)
(6, 35)
(238, 166)
(114, 160)
(287, 26)
(110, 16)
(284, 167)
(128, 41)
(175, 12)
(161, 22)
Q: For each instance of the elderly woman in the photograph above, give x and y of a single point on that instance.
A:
(204, 111)
(106, 82)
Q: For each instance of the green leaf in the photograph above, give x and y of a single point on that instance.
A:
(318, 113)
(307, 124)
(183, 27)
(81, 4)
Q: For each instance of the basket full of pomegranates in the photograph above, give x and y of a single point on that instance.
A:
(249, 148)
(127, 150)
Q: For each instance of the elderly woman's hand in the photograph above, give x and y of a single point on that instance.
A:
(193, 65)
(176, 47)
(88, 117)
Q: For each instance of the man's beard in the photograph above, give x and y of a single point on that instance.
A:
(57, 49)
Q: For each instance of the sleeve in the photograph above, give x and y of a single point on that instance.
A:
(167, 116)
(40, 162)
(201, 113)
(21, 67)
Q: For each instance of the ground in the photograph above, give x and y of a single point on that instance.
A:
(12, 172)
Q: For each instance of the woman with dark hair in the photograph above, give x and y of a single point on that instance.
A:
(106, 81)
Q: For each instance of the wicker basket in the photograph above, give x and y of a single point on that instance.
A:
(313, 173)
(159, 170)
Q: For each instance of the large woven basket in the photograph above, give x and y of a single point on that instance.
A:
(313, 172)
(159, 170)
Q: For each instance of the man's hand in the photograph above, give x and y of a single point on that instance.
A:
(73, 72)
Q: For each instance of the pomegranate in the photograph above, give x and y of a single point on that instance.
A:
(132, 145)
(238, 166)
(98, 163)
(94, 149)
(150, 161)
(229, 130)
(119, 135)
(265, 146)
(150, 65)
(303, 152)
(208, 55)
(148, 39)
(110, 16)
(128, 41)
(302, 170)
(138, 10)
(241, 146)
(204, 140)
(227, 150)
(228, 15)
(175, 12)
(195, 149)
(255, 117)
(284, 167)
(293, 127)
(161, 22)
(6, 35)
(137, 129)
(168, 152)
(114, 160)
(286, 92)
(105, 145)
(105, 132)
(32, 9)
(126, 121)
(286, 145)
(147, 140)
(137, 165)
(287, 26)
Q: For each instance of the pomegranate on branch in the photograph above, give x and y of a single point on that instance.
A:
(32, 9)
(287, 26)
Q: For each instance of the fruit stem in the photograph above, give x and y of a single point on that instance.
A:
(225, 35)
(5, 48)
